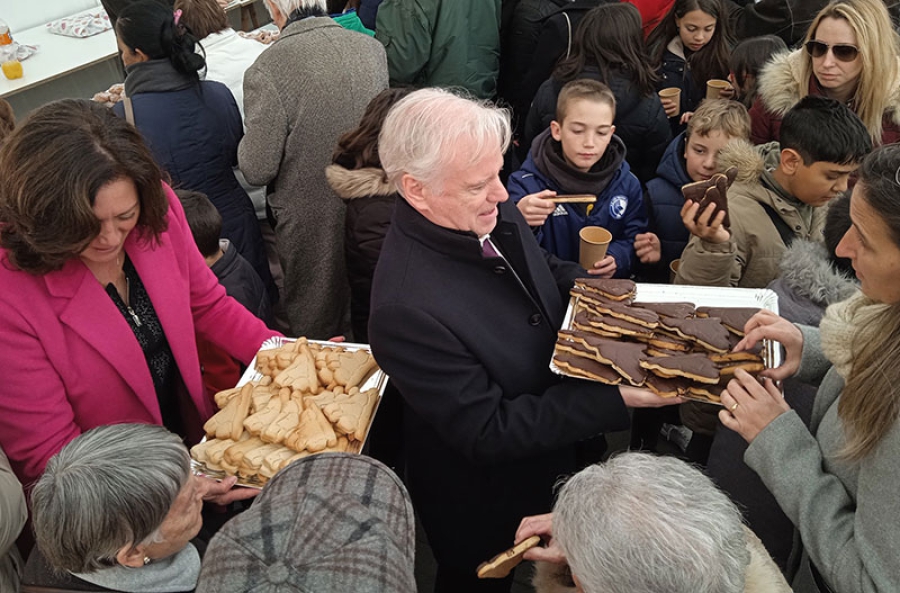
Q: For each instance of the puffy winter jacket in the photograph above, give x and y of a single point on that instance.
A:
(619, 209)
(664, 203)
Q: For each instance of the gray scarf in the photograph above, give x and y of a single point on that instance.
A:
(549, 160)
(155, 76)
(178, 572)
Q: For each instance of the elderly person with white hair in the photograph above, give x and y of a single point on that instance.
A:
(639, 523)
(118, 507)
(464, 313)
(299, 96)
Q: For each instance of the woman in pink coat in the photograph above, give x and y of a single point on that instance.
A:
(103, 291)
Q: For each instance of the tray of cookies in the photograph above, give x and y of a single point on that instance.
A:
(297, 398)
(674, 340)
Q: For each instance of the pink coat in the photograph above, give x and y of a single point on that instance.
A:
(70, 362)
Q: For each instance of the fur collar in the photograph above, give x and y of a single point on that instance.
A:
(749, 159)
(805, 267)
(358, 183)
(780, 85)
(762, 575)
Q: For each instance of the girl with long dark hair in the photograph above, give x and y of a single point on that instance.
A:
(608, 47)
(689, 47)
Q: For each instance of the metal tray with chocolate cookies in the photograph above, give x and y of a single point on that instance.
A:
(677, 321)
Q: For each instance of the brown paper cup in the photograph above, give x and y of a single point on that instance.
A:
(714, 86)
(594, 241)
(673, 93)
(673, 270)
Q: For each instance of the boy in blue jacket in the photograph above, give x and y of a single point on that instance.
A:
(580, 154)
(692, 156)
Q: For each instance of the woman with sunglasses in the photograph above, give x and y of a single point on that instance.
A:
(851, 53)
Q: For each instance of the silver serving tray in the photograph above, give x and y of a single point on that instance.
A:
(701, 296)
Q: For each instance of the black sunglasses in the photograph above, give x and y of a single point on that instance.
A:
(842, 51)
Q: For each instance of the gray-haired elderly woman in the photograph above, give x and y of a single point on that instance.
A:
(118, 507)
(640, 523)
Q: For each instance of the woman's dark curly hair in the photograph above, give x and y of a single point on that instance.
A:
(52, 167)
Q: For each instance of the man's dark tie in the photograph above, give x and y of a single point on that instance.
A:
(487, 249)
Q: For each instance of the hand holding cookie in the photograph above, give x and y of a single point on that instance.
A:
(541, 525)
(537, 207)
(707, 223)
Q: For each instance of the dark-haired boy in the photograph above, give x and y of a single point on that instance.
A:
(235, 274)
(580, 154)
(777, 196)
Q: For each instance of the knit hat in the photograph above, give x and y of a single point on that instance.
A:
(327, 522)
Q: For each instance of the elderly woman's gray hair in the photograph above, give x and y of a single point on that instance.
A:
(288, 6)
(109, 487)
(646, 524)
(425, 131)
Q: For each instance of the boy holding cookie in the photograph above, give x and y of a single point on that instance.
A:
(691, 156)
(580, 154)
(778, 196)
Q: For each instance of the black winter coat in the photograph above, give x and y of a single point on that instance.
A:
(370, 205)
(539, 34)
(467, 340)
(640, 121)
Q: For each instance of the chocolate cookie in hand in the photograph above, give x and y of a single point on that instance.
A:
(711, 191)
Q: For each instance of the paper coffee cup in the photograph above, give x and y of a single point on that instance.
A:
(673, 93)
(673, 270)
(714, 86)
(594, 241)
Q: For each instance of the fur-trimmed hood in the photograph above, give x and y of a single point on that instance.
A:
(780, 85)
(762, 574)
(750, 160)
(350, 184)
(806, 269)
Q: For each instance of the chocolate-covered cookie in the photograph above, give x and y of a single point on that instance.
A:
(611, 288)
(734, 318)
(676, 310)
(697, 367)
(587, 368)
(644, 317)
(708, 332)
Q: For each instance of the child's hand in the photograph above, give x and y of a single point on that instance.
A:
(605, 268)
(536, 207)
(669, 107)
(686, 117)
(647, 247)
(727, 93)
(711, 231)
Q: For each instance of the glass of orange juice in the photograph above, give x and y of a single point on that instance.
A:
(12, 69)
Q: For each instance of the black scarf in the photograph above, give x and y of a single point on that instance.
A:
(549, 160)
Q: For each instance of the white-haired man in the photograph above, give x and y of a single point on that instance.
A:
(299, 96)
(465, 310)
(648, 524)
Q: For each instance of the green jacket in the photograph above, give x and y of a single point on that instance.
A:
(446, 43)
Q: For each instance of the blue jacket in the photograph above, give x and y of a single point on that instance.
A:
(619, 209)
(664, 202)
(193, 134)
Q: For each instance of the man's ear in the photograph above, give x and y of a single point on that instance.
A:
(414, 191)
(131, 556)
(790, 161)
(555, 130)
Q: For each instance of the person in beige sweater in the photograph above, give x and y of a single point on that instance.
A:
(777, 196)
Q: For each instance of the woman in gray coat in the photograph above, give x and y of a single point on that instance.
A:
(838, 480)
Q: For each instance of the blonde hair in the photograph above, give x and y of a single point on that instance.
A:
(879, 49)
(725, 115)
(583, 89)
